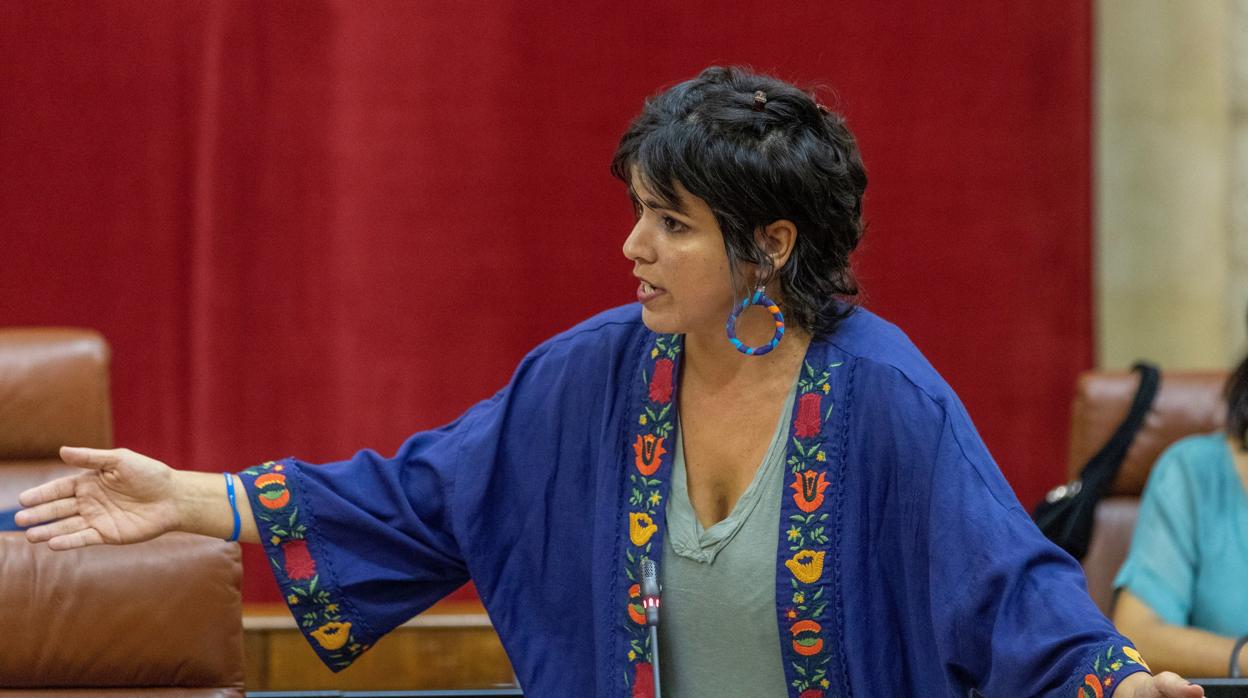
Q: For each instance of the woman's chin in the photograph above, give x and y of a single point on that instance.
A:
(659, 322)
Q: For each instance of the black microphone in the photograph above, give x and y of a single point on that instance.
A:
(650, 592)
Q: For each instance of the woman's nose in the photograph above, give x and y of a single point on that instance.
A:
(635, 246)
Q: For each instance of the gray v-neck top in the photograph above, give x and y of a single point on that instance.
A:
(718, 635)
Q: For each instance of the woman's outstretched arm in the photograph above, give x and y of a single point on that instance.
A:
(125, 497)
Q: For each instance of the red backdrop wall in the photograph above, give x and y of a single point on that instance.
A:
(310, 227)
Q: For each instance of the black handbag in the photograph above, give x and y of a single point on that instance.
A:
(1067, 512)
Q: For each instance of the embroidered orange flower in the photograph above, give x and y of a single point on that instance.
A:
(806, 565)
(640, 528)
(333, 635)
(635, 611)
(1091, 687)
(272, 490)
(808, 487)
(649, 450)
(1134, 656)
(806, 640)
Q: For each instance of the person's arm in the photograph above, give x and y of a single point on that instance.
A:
(125, 497)
(1181, 649)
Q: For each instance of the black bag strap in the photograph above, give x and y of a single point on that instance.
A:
(1100, 470)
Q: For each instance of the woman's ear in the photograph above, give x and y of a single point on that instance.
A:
(777, 240)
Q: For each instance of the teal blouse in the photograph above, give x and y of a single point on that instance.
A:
(1189, 556)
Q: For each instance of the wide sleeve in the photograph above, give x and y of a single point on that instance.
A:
(362, 545)
(1010, 611)
(1161, 563)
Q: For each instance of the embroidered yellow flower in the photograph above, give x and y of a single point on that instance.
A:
(824, 683)
(654, 352)
(655, 498)
(826, 388)
(275, 540)
(332, 608)
(820, 457)
(332, 636)
(794, 533)
(1116, 665)
(799, 597)
(640, 528)
(806, 565)
(292, 599)
(642, 420)
(632, 656)
(1134, 656)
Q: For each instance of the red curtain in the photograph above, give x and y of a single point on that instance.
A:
(310, 227)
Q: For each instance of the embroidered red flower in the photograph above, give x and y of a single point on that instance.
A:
(299, 563)
(807, 423)
(808, 487)
(811, 693)
(649, 450)
(643, 680)
(661, 381)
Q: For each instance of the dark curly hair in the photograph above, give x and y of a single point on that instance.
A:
(790, 158)
(1237, 405)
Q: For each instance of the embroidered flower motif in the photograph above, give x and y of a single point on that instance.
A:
(272, 490)
(635, 610)
(299, 563)
(807, 422)
(661, 381)
(812, 692)
(820, 457)
(655, 498)
(643, 680)
(1134, 656)
(806, 565)
(808, 487)
(292, 599)
(640, 528)
(649, 450)
(332, 635)
(799, 597)
(793, 533)
(642, 420)
(1091, 687)
(632, 656)
(824, 683)
(806, 639)
(826, 388)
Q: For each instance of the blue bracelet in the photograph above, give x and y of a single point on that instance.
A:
(238, 521)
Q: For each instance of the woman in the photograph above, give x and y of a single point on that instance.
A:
(825, 519)
(1180, 591)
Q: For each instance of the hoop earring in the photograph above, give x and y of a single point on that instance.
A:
(757, 298)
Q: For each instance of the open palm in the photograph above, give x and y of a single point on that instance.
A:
(121, 497)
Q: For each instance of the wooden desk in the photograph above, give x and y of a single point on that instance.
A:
(452, 645)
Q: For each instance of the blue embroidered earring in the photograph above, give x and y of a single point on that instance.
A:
(757, 298)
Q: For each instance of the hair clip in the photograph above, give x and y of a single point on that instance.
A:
(760, 100)
(822, 109)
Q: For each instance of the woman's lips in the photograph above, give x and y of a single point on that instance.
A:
(647, 293)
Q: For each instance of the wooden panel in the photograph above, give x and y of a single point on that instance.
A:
(450, 646)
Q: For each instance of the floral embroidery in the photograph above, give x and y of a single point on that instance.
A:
(1109, 668)
(284, 528)
(805, 530)
(646, 491)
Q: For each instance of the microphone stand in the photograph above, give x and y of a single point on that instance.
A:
(650, 597)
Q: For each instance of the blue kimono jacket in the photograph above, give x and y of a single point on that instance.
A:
(905, 566)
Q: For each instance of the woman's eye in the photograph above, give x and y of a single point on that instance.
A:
(672, 225)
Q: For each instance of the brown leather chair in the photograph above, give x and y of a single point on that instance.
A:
(157, 618)
(1186, 404)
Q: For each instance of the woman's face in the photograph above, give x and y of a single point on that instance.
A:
(680, 262)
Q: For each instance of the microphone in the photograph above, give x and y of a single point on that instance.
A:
(650, 591)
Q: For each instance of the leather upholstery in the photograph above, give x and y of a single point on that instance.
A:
(1186, 404)
(161, 618)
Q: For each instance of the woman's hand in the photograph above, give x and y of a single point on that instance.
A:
(121, 497)
(1164, 685)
